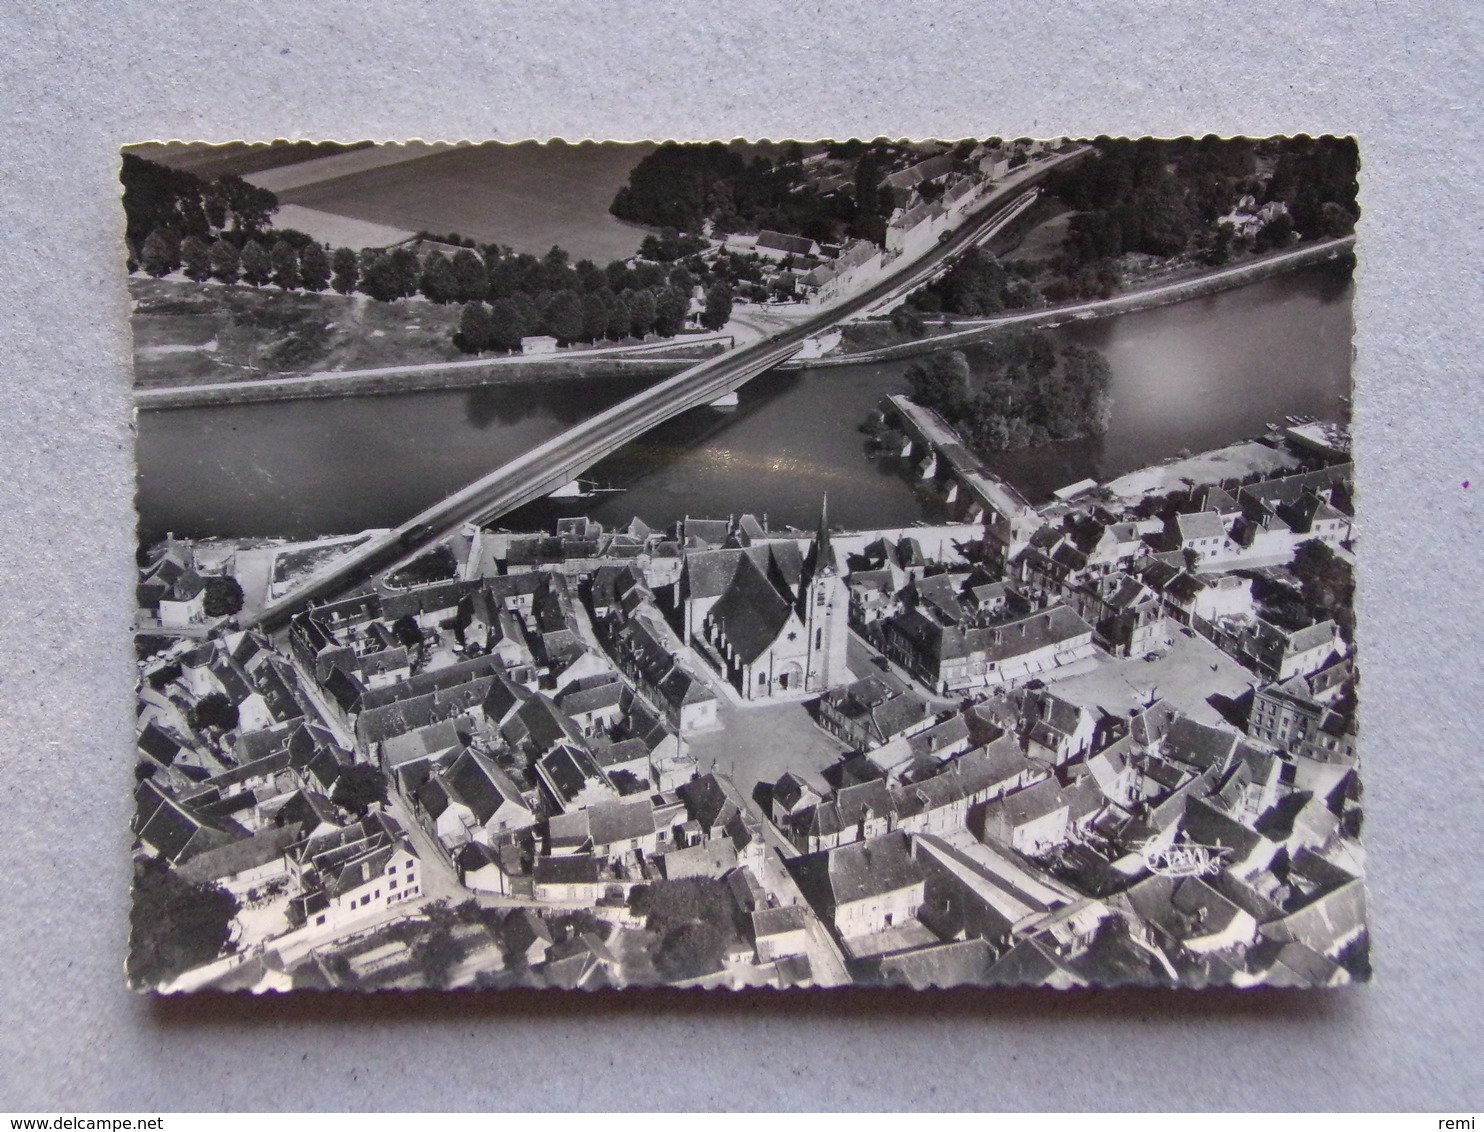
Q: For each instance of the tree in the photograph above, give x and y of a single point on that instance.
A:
(594, 316)
(407, 631)
(1328, 584)
(941, 383)
(223, 596)
(224, 268)
(1276, 233)
(251, 207)
(285, 265)
(257, 265)
(407, 272)
(563, 317)
(314, 267)
(359, 787)
(620, 320)
(690, 951)
(174, 925)
(718, 310)
(670, 310)
(438, 953)
(1335, 220)
(380, 278)
(469, 282)
(475, 328)
(213, 710)
(160, 254)
(907, 321)
(437, 282)
(641, 313)
(346, 268)
(507, 327)
(195, 258)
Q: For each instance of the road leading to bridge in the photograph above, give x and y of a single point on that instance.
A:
(562, 458)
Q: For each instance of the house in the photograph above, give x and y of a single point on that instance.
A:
(1030, 963)
(171, 587)
(1201, 534)
(473, 800)
(538, 344)
(1312, 515)
(422, 745)
(1291, 716)
(351, 874)
(1191, 599)
(622, 832)
(566, 879)
(711, 801)
(241, 866)
(1186, 912)
(713, 859)
(593, 703)
(780, 932)
(862, 888)
(178, 831)
(1030, 821)
(1054, 728)
(573, 781)
(498, 867)
(1134, 620)
(525, 937)
(777, 245)
(538, 726)
(490, 624)
(964, 963)
(1280, 654)
(950, 656)
(868, 714)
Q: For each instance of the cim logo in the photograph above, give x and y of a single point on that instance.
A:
(1184, 860)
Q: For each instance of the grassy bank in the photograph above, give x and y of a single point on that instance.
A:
(205, 333)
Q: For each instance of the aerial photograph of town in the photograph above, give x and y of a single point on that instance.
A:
(890, 563)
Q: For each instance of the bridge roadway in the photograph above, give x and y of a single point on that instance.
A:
(561, 459)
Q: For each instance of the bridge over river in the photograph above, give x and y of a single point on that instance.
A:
(560, 460)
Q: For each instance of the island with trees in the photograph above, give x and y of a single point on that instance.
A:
(1024, 391)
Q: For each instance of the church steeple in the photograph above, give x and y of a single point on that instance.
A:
(821, 554)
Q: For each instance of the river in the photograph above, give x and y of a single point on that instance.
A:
(1191, 376)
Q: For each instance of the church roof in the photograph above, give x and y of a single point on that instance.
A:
(751, 613)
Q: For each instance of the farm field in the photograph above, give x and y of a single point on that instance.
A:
(528, 196)
(240, 158)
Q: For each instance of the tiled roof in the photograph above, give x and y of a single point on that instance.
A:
(751, 613)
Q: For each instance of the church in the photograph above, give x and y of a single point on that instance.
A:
(771, 618)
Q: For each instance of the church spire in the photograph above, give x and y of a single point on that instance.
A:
(824, 557)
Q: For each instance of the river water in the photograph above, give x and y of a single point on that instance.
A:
(1191, 376)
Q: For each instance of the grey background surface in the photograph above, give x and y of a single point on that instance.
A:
(77, 80)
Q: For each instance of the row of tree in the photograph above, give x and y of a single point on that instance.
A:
(505, 295)
(1026, 392)
(569, 316)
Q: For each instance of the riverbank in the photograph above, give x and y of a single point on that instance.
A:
(1143, 299)
(471, 373)
(1232, 462)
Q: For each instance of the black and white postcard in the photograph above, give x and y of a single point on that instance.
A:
(794, 564)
